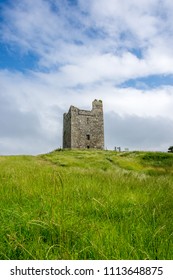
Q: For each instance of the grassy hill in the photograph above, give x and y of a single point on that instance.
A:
(87, 205)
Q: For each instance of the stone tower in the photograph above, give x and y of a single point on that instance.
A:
(84, 129)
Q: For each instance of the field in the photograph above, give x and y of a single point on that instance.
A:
(87, 205)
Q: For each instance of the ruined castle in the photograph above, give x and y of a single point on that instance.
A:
(83, 129)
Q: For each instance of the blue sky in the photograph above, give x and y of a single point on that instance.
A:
(57, 53)
(149, 82)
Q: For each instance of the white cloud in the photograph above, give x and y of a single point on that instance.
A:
(37, 107)
(85, 52)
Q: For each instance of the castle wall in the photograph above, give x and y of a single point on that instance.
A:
(84, 129)
(67, 130)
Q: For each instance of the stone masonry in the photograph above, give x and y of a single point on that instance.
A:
(84, 129)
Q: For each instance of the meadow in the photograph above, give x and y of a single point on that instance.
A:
(87, 204)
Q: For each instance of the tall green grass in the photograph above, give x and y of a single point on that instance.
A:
(86, 205)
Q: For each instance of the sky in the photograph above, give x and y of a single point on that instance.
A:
(57, 53)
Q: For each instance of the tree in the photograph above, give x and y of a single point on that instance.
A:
(170, 149)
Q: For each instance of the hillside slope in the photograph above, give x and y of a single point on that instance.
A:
(87, 205)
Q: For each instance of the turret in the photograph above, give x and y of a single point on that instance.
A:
(97, 104)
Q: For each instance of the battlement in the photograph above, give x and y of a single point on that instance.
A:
(97, 104)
